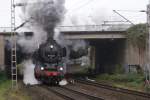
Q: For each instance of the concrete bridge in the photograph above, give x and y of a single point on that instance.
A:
(110, 31)
(108, 45)
(94, 34)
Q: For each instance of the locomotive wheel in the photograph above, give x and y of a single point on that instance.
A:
(54, 82)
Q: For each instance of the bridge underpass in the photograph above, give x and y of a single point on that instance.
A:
(109, 53)
(108, 48)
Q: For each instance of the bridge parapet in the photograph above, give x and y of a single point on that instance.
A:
(5, 29)
(103, 27)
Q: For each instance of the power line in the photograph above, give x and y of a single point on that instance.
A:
(88, 2)
(75, 5)
(132, 11)
(123, 17)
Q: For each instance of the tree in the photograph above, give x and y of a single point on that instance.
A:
(137, 34)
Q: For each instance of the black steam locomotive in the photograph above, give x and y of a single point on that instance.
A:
(48, 62)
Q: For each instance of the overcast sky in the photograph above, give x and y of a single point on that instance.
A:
(88, 11)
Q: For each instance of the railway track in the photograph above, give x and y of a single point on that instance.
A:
(70, 94)
(66, 97)
(116, 89)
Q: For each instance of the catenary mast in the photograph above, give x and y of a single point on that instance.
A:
(13, 47)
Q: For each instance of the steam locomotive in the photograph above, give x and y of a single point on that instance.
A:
(48, 60)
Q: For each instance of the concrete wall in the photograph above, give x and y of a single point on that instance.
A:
(135, 56)
(2, 53)
(92, 56)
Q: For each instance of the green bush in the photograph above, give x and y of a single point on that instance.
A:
(103, 77)
(3, 76)
(119, 77)
(129, 77)
(118, 69)
(137, 34)
(129, 80)
(4, 88)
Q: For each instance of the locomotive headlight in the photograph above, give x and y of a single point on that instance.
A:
(42, 68)
(51, 46)
(61, 69)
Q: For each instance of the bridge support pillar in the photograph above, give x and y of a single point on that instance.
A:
(92, 57)
(2, 45)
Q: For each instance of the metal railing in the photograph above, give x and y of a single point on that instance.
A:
(5, 29)
(103, 27)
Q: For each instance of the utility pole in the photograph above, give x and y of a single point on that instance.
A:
(148, 24)
(13, 47)
(14, 42)
(148, 46)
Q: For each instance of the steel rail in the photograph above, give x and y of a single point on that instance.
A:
(68, 97)
(61, 95)
(113, 88)
(84, 94)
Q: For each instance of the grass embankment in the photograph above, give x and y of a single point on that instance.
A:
(7, 93)
(131, 81)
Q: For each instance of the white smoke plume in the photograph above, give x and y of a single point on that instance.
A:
(28, 71)
(78, 44)
(74, 44)
(100, 15)
(31, 45)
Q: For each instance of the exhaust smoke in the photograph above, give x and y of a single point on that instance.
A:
(46, 14)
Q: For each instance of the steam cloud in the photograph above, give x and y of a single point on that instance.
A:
(31, 45)
(69, 44)
(28, 73)
(43, 16)
(47, 14)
